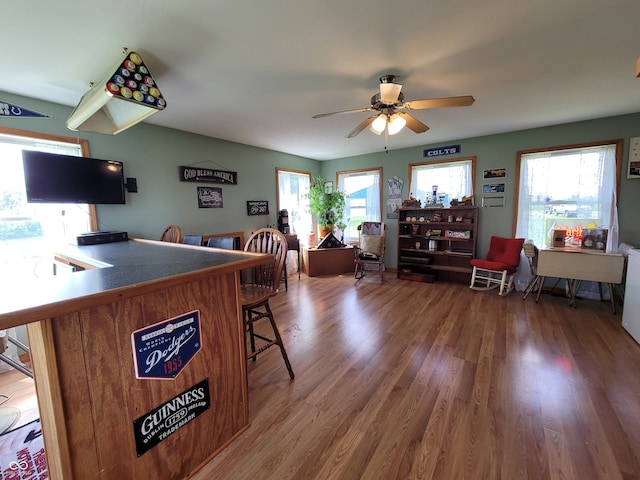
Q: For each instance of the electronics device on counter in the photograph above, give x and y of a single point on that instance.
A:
(96, 238)
(55, 178)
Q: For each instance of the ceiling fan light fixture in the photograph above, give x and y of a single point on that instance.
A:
(396, 123)
(389, 93)
(379, 124)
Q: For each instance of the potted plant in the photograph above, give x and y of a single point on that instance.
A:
(327, 204)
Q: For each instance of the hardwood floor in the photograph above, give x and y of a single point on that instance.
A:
(407, 380)
(21, 394)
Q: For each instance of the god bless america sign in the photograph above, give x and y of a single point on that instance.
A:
(162, 350)
(154, 426)
(191, 174)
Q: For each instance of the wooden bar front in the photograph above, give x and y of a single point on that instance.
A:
(89, 395)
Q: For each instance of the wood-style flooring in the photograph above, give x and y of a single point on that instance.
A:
(405, 380)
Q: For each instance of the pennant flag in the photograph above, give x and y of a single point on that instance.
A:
(10, 110)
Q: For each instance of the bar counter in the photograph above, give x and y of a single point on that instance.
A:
(81, 330)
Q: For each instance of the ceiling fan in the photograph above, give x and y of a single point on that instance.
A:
(389, 106)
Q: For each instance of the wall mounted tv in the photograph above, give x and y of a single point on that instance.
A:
(54, 178)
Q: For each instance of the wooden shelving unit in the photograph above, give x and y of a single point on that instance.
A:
(437, 243)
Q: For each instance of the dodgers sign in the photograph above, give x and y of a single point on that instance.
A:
(162, 350)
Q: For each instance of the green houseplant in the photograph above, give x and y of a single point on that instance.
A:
(327, 204)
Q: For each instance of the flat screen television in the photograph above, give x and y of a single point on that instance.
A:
(54, 178)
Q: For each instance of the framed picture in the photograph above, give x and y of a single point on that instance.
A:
(209, 197)
(634, 158)
(328, 187)
(257, 207)
(393, 204)
(493, 188)
(494, 173)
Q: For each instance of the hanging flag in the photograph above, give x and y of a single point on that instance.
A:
(10, 110)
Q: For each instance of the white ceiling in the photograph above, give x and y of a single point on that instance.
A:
(256, 71)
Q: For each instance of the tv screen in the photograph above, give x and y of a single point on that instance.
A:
(54, 178)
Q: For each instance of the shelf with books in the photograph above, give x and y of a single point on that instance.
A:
(437, 241)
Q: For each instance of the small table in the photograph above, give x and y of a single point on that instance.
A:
(577, 265)
(328, 261)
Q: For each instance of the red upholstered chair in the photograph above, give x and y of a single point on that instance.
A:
(498, 268)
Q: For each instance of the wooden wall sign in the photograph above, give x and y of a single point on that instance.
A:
(192, 174)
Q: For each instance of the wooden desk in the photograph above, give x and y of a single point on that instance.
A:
(80, 332)
(328, 261)
(577, 265)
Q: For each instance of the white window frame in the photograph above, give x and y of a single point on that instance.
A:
(455, 179)
(572, 182)
(540, 208)
(59, 227)
(296, 202)
(370, 206)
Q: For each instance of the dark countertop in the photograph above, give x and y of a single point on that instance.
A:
(121, 268)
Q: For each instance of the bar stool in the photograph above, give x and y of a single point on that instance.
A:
(260, 285)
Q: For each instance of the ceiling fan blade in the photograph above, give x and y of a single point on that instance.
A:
(362, 125)
(413, 123)
(357, 110)
(463, 101)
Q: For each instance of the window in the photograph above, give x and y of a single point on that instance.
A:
(568, 188)
(448, 178)
(364, 197)
(28, 230)
(293, 188)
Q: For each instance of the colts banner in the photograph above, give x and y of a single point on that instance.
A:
(10, 110)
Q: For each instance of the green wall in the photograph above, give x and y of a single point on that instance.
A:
(153, 154)
(499, 151)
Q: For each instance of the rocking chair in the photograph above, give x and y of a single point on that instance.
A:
(498, 268)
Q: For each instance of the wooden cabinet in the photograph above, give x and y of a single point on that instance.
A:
(328, 261)
(437, 243)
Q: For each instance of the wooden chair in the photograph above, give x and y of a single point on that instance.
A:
(259, 286)
(192, 240)
(172, 234)
(370, 248)
(498, 268)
